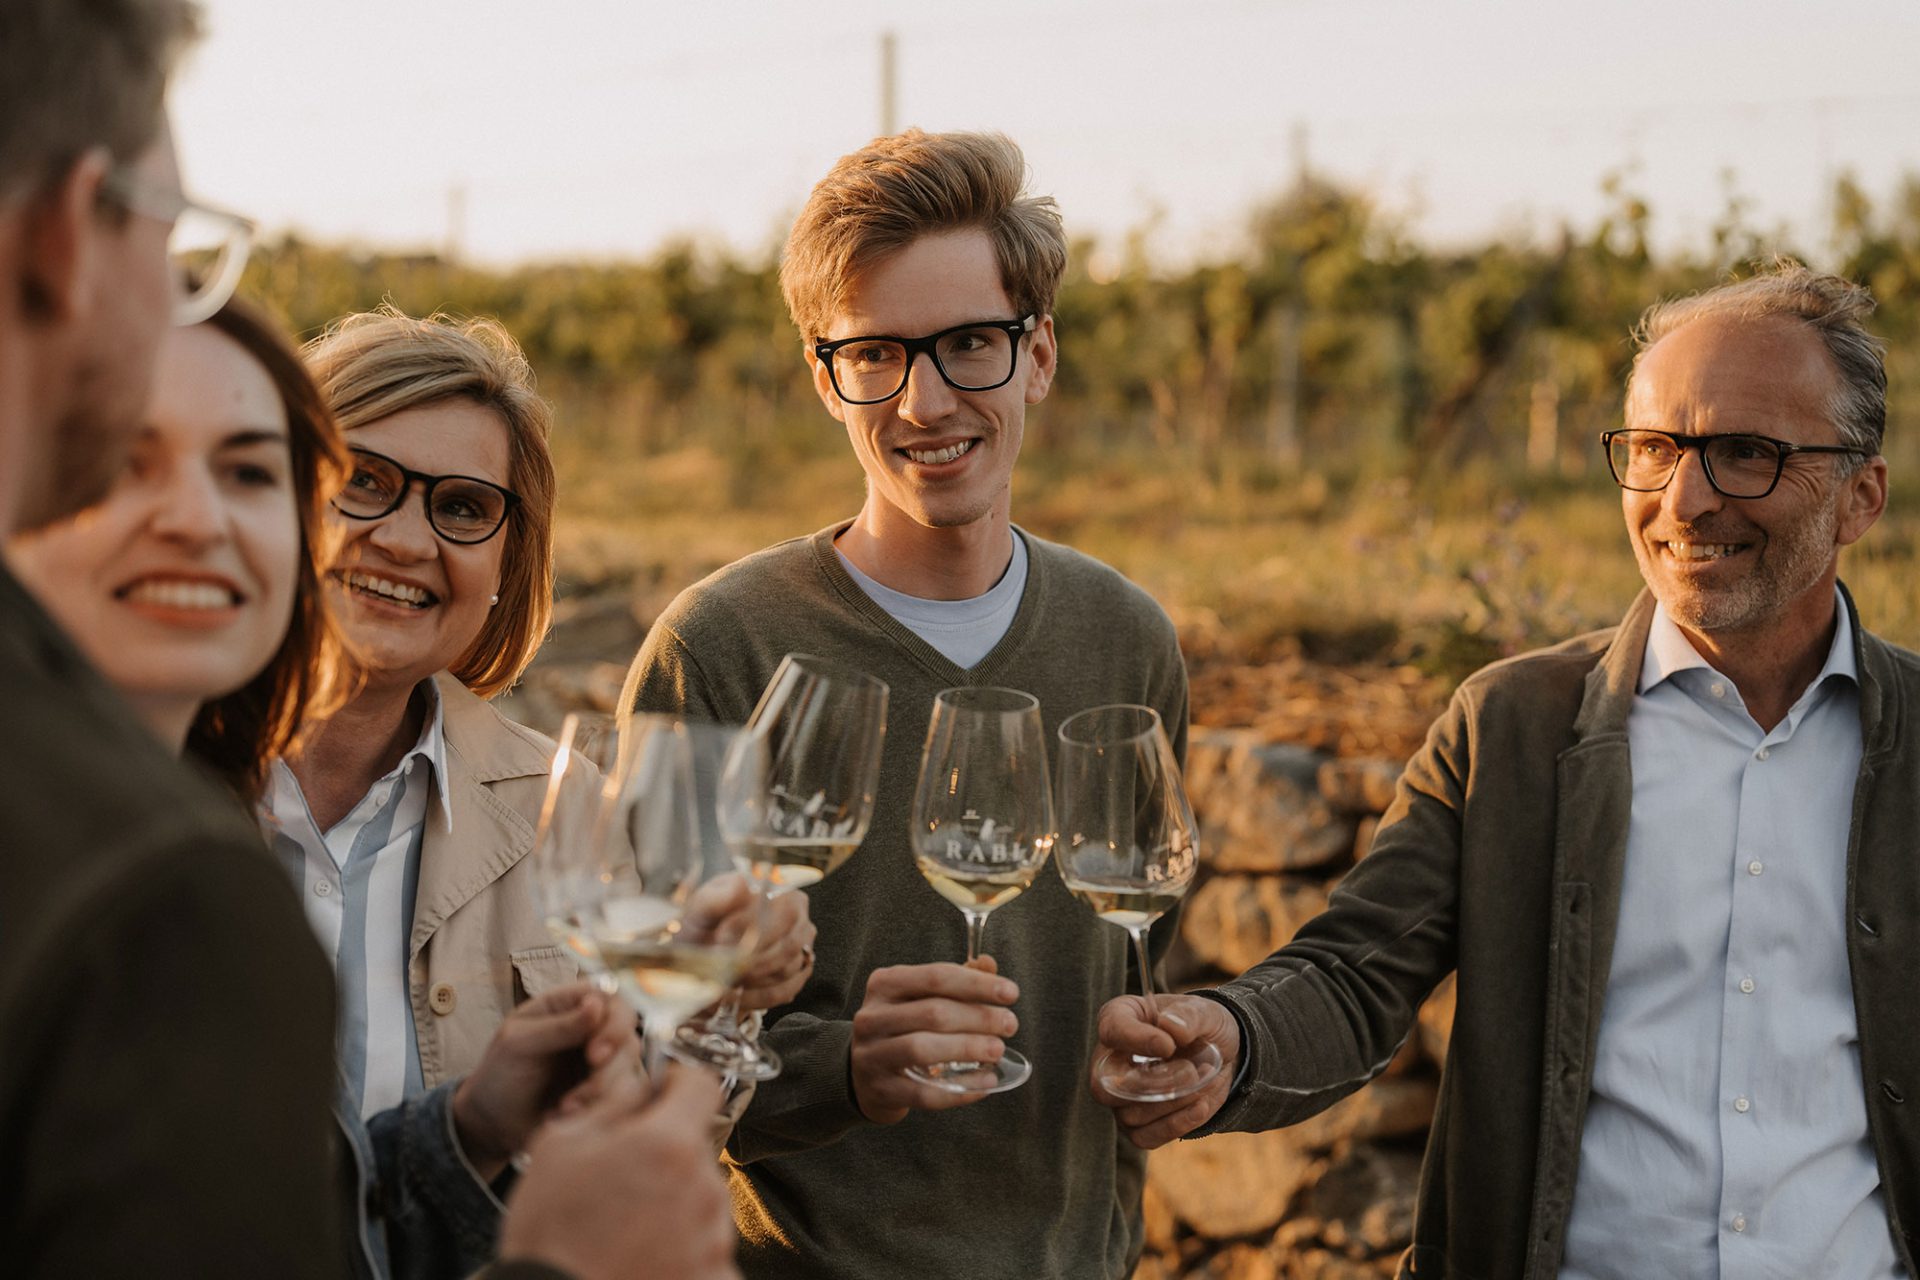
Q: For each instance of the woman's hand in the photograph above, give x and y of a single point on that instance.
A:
(555, 1053)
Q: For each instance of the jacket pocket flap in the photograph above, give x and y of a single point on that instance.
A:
(538, 970)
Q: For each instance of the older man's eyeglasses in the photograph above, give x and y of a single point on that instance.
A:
(969, 357)
(208, 246)
(1737, 466)
(462, 509)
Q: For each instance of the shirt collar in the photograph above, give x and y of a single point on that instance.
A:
(1670, 652)
(431, 750)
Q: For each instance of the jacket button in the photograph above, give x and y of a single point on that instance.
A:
(440, 999)
(1893, 1092)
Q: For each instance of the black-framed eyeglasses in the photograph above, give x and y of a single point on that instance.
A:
(462, 509)
(1737, 465)
(207, 246)
(978, 356)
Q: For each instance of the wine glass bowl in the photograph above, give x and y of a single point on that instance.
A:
(565, 867)
(982, 827)
(1128, 847)
(729, 785)
(672, 920)
(822, 727)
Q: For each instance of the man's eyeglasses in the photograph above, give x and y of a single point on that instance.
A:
(208, 247)
(1737, 466)
(462, 509)
(969, 357)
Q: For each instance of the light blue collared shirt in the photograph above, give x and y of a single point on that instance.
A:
(357, 882)
(1726, 1134)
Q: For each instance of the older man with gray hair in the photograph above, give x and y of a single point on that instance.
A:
(1671, 864)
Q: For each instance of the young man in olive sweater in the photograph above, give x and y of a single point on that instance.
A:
(922, 281)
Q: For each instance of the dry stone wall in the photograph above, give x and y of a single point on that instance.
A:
(1331, 1198)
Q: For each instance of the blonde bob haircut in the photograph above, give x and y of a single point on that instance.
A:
(377, 363)
(896, 189)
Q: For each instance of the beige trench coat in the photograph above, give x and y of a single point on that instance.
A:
(478, 946)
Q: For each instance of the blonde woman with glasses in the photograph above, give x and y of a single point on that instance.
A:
(409, 814)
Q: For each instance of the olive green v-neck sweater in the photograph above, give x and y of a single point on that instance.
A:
(1036, 1182)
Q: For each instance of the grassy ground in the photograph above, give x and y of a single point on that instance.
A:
(1445, 575)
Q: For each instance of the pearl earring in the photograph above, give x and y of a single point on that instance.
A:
(492, 600)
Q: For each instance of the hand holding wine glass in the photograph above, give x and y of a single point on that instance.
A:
(1129, 1026)
(673, 921)
(813, 743)
(1128, 848)
(982, 826)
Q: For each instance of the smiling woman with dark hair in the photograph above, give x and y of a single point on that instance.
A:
(195, 587)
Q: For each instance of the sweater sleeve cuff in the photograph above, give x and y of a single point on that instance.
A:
(1233, 1112)
(811, 1102)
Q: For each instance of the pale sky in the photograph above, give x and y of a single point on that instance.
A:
(604, 127)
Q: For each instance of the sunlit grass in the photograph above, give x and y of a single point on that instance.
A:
(1448, 573)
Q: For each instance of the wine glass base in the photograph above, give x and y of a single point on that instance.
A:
(1140, 1079)
(975, 1077)
(740, 1058)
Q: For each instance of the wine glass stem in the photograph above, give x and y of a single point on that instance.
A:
(1138, 932)
(654, 1035)
(726, 1015)
(976, 930)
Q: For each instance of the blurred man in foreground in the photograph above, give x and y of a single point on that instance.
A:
(1672, 864)
(168, 1070)
(165, 1087)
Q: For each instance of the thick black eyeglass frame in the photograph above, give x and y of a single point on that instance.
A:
(823, 351)
(1684, 443)
(427, 483)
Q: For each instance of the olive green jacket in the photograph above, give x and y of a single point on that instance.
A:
(1501, 859)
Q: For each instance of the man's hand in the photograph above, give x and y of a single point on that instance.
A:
(783, 961)
(1184, 1020)
(625, 1187)
(555, 1051)
(920, 1014)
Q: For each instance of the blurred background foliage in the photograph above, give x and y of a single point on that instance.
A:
(1328, 436)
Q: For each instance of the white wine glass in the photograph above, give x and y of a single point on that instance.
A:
(565, 859)
(672, 919)
(1128, 848)
(982, 825)
(822, 726)
(729, 785)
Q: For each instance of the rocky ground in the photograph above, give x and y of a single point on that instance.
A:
(1291, 762)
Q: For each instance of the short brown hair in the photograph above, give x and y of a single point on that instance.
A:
(76, 74)
(239, 735)
(896, 189)
(376, 363)
(1835, 309)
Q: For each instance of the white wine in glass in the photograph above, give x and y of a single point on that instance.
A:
(822, 727)
(729, 784)
(674, 922)
(982, 826)
(1129, 849)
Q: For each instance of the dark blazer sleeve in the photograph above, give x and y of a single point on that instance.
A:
(1328, 1011)
(440, 1219)
(176, 1119)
